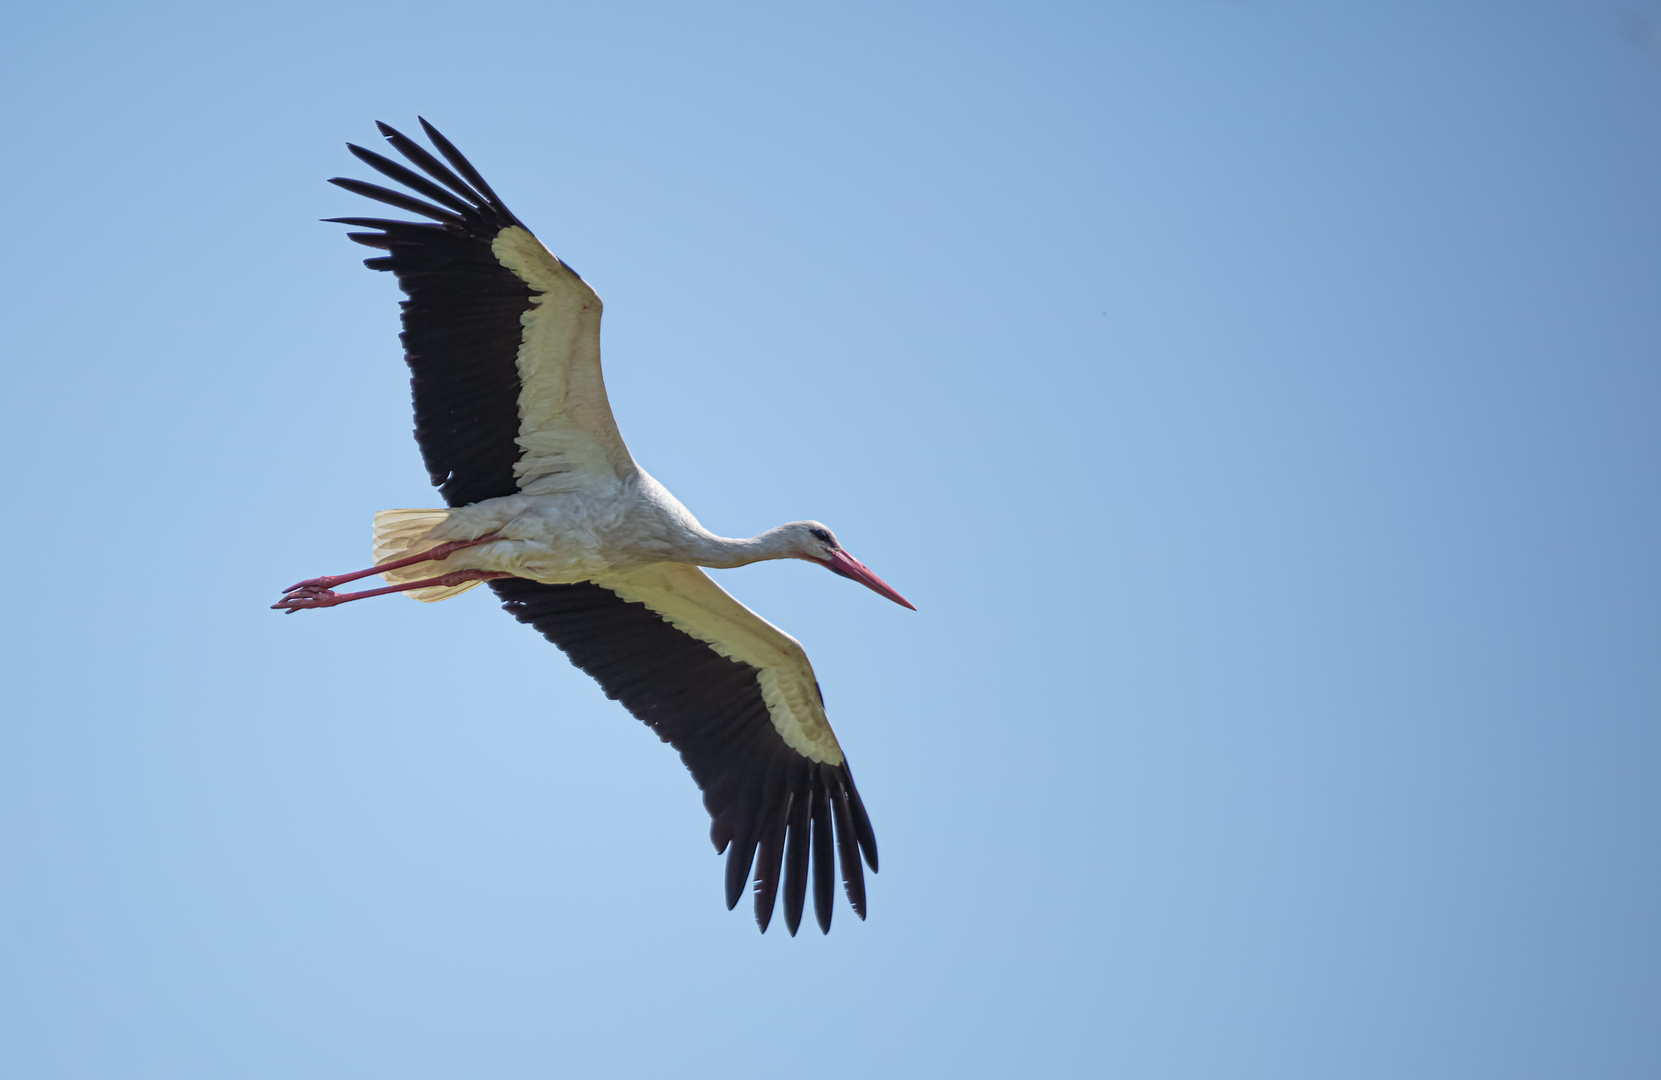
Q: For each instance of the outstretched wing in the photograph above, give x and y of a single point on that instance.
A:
(502, 338)
(737, 697)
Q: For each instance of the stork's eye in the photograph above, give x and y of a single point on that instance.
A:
(820, 534)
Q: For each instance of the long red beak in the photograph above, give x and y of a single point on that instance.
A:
(842, 563)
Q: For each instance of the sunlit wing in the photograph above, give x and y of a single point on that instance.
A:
(737, 697)
(502, 338)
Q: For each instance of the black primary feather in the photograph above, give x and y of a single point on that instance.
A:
(409, 178)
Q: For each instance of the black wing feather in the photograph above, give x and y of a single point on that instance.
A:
(395, 198)
(760, 793)
(770, 854)
(408, 178)
(824, 860)
(853, 875)
(415, 152)
(462, 165)
(796, 861)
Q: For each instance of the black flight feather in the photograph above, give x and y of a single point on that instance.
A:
(824, 859)
(462, 165)
(853, 874)
(422, 159)
(796, 859)
(395, 198)
(409, 178)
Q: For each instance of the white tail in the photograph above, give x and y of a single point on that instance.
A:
(402, 533)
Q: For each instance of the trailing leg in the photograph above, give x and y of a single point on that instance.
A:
(304, 596)
(442, 551)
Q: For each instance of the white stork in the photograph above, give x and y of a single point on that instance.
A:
(545, 503)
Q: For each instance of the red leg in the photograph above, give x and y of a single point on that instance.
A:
(442, 551)
(300, 598)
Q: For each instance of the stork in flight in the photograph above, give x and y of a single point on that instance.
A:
(545, 503)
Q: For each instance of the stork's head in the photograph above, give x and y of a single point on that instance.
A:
(812, 541)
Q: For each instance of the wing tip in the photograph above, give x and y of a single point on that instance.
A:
(470, 203)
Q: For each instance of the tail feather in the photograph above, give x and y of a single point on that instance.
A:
(402, 533)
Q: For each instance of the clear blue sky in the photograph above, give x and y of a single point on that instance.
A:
(1261, 401)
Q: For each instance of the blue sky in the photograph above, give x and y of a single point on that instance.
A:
(1258, 400)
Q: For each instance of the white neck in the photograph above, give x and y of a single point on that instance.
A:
(703, 548)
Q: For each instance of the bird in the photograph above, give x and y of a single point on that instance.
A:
(544, 502)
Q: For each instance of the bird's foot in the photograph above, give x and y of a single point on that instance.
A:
(306, 595)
